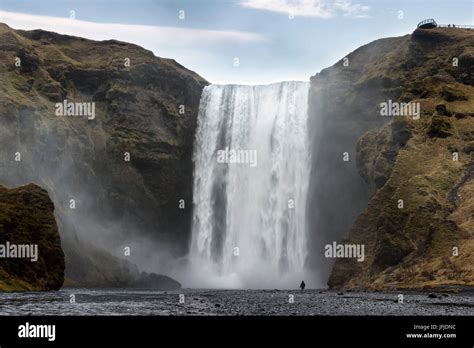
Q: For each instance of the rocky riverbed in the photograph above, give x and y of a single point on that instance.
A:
(233, 302)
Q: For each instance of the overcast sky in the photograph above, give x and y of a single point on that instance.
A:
(274, 40)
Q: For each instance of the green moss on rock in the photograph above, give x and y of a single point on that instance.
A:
(27, 217)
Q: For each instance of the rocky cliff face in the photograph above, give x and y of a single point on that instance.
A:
(342, 107)
(31, 257)
(416, 203)
(117, 178)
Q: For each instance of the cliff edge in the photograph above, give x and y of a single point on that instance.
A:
(416, 218)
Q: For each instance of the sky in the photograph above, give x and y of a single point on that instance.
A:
(238, 41)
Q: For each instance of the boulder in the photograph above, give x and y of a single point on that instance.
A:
(27, 222)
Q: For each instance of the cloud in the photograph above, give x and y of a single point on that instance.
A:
(310, 8)
(138, 34)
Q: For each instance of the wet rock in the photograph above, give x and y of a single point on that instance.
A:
(155, 281)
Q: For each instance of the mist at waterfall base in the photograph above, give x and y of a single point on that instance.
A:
(249, 227)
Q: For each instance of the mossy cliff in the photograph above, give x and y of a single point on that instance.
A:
(417, 203)
(27, 218)
(126, 169)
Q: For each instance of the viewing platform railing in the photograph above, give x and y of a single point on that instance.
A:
(455, 26)
(428, 23)
(431, 23)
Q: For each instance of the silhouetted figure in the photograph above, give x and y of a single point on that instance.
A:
(302, 285)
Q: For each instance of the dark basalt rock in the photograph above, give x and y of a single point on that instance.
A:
(27, 218)
(28, 60)
(439, 128)
(441, 109)
(155, 281)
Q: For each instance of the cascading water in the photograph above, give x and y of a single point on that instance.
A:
(251, 168)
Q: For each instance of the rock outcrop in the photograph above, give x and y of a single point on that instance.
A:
(415, 215)
(343, 105)
(31, 257)
(118, 178)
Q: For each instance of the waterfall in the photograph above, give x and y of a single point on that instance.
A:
(251, 169)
